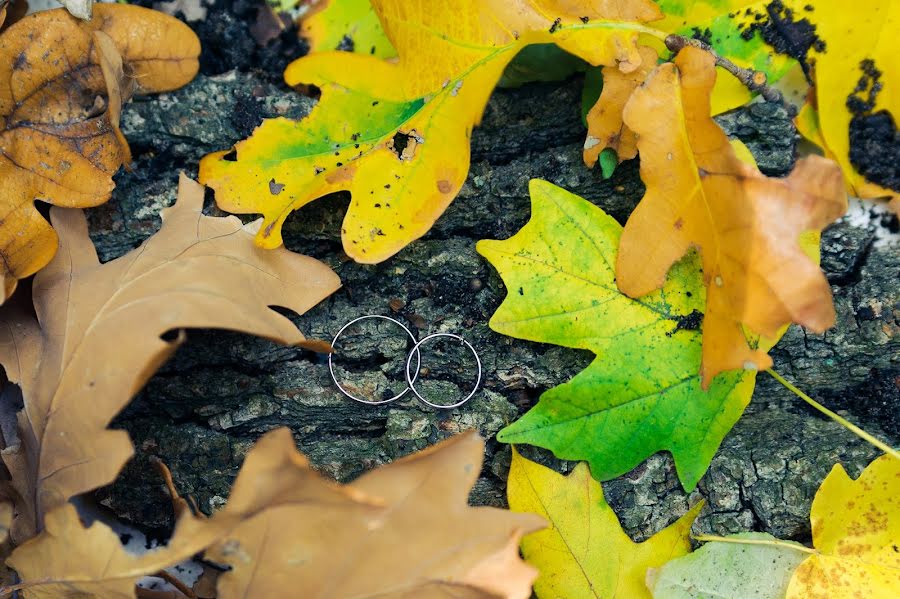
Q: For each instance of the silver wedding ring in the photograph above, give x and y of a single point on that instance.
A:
(331, 363)
(411, 374)
(410, 378)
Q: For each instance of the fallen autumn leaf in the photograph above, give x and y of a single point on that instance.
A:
(97, 336)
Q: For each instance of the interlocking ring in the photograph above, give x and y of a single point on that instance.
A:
(410, 379)
(408, 361)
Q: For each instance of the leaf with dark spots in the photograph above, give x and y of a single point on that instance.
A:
(853, 113)
(61, 92)
(642, 393)
(855, 525)
(405, 121)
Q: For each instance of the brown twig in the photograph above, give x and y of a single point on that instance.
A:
(755, 81)
(179, 505)
(183, 588)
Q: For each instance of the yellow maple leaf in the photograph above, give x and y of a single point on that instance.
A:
(585, 552)
(747, 226)
(396, 133)
(856, 533)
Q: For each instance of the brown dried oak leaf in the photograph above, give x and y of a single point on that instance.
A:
(69, 559)
(97, 336)
(604, 120)
(402, 530)
(746, 226)
(59, 144)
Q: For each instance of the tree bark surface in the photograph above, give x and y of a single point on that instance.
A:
(205, 408)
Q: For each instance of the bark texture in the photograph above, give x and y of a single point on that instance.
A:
(205, 408)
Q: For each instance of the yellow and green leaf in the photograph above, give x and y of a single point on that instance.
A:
(843, 79)
(585, 552)
(726, 26)
(642, 393)
(349, 25)
(396, 133)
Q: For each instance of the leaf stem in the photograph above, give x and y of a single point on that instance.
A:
(773, 542)
(839, 419)
(625, 25)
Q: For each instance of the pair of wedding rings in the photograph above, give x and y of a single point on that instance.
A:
(411, 374)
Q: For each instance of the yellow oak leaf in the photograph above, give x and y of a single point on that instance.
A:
(402, 530)
(585, 552)
(55, 144)
(396, 133)
(94, 336)
(747, 226)
(856, 534)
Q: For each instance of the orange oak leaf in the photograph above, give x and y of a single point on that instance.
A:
(96, 338)
(402, 530)
(59, 139)
(605, 126)
(745, 225)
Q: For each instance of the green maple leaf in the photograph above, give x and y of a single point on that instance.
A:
(642, 393)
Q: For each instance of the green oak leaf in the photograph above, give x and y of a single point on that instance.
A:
(642, 393)
(723, 569)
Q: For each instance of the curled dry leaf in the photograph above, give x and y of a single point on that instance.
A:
(747, 226)
(604, 121)
(97, 336)
(402, 530)
(57, 144)
(396, 133)
(69, 559)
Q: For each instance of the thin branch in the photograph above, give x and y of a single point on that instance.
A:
(755, 81)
